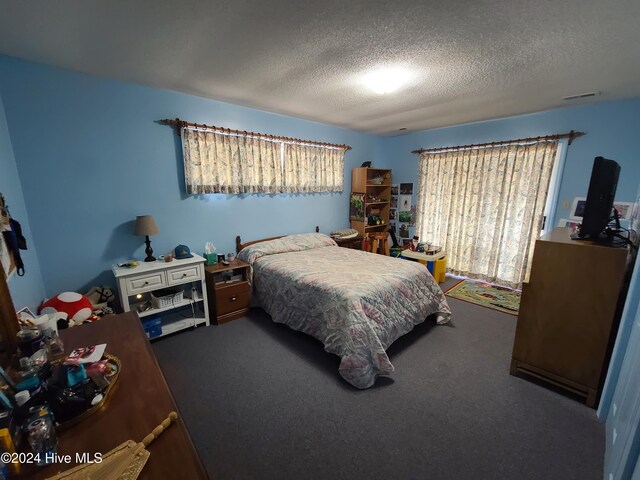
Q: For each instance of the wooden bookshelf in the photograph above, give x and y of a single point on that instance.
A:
(371, 186)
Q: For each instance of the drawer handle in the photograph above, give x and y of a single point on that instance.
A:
(184, 275)
(233, 299)
(146, 283)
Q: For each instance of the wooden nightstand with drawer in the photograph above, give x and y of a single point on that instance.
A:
(355, 243)
(229, 291)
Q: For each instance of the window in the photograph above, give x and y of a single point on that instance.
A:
(485, 206)
(226, 161)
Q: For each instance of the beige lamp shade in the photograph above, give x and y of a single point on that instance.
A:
(146, 225)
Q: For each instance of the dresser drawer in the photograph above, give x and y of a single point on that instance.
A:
(176, 276)
(145, 283)
(232, 298)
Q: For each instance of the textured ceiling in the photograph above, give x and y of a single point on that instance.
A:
(469, 61)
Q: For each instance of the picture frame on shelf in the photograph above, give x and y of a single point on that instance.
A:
(406, 189)
(577, 209)
(395, 188)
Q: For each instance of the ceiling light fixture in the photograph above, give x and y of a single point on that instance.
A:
(386, 80)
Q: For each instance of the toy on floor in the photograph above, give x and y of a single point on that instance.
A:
(100, 297)
(76, 306)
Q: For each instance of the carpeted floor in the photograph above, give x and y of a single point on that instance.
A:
(264, 402)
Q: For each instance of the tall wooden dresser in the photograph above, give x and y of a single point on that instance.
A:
(569, 313)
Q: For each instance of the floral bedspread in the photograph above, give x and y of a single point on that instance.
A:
(356, 303)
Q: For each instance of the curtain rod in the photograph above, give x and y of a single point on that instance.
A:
(180, 124)
(571, 136)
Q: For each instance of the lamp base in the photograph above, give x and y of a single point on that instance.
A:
(149, 250)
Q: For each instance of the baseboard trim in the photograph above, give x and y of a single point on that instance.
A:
(589, 394)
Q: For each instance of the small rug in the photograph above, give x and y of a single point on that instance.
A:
(487, 295)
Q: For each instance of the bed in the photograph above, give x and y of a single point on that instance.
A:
(356, 303)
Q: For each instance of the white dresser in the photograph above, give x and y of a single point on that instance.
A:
(136, 284)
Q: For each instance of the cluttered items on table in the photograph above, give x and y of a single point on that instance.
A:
(43, 390)
(422, 247)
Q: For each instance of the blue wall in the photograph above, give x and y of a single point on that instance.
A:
(85, 155)
(612, 129)
(28, 290)
(92, 155)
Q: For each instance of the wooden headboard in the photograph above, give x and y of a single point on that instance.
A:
(240, 245)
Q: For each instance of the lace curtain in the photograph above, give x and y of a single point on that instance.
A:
(216, 162)
(313, 169)
(219, 163)
(485, 207)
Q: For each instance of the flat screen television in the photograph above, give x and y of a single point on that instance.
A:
(598, 208)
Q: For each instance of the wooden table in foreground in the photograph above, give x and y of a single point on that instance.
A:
(139, 401)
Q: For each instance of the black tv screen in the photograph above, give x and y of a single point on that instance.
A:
(602, 192)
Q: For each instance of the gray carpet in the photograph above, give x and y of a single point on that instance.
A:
(264, 402)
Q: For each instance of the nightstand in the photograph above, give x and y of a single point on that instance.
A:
(354, 242)
(228, 290)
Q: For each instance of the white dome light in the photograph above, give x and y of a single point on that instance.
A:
(386, 80)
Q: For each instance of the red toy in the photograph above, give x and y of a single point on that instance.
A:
(77, 306)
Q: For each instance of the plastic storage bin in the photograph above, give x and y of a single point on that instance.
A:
(167, 297)
(152, 326)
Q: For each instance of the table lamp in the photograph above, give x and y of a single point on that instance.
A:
(146, 225)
